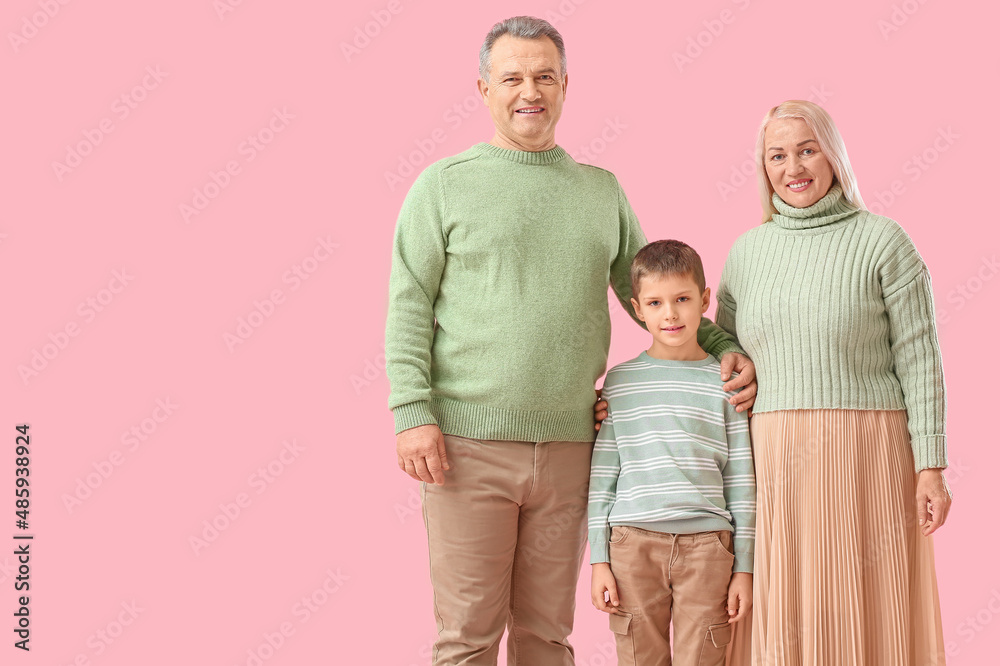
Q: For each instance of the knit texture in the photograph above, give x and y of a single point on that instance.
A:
(498, 324)
(834, 305)
(673, 456)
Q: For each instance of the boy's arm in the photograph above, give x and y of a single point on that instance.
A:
(740, 488)
(605, 467)
(631, 239)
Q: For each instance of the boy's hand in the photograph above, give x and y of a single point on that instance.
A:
(746, 382)
(601, 581)
(740, 596)
(600, 410)
(420, 453)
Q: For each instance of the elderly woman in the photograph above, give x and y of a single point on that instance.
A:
(834, 306)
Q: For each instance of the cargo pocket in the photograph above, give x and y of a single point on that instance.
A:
(621, 626)
(713, 650)
(720, 634)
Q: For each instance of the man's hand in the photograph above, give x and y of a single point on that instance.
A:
(933, 500)
(601, 581)
(740, 596)
(600, 410)
(747, 378)
(421, 453)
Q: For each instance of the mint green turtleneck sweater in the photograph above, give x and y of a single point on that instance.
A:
(498, 324)
(834, 305)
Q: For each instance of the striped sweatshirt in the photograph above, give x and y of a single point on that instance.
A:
(672, 456)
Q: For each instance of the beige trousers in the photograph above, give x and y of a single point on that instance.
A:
(506, 535)
(664, 578)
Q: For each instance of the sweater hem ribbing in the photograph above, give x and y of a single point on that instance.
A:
(465, 419)
(686, 526)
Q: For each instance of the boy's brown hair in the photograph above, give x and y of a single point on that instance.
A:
(666, 257)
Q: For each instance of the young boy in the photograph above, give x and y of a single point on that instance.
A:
(671, 480)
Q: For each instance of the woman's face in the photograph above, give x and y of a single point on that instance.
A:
(799, 172)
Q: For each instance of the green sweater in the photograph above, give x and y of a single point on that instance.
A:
(673, 456)
(834, 305)
(498, 323)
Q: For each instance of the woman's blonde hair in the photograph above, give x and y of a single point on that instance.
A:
(830, 144)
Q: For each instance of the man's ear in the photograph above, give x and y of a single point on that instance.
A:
(484, 90)
(635, 306)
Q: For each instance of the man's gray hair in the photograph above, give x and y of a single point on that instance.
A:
(522, 27)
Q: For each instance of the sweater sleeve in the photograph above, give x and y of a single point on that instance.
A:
(740, 488)
(725, 313)
(719, 339)
(418, 260)
(713, 339)
(631, 239)
(916, 354)
(605, 466)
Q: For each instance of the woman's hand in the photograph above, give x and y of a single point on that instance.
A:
(933, 500)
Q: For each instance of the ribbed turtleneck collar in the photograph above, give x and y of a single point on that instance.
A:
(831, 208)
(542, 157)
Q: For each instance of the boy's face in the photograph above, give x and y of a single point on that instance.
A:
(672, 306)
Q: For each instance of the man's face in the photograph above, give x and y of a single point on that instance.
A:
(525, 92)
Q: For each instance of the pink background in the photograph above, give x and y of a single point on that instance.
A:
(304, 393)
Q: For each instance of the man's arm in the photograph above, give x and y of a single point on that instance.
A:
(716, 341)
(418, 259)
(631, 239)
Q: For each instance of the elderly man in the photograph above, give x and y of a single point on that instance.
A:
(498, 329)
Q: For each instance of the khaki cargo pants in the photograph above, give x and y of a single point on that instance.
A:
(664, 578)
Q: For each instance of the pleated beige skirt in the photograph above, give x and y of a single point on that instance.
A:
(842, 574)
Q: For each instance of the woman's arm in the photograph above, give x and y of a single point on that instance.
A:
(909, 306)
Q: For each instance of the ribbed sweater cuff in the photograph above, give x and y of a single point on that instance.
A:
(413, 414)
(599, 548)
(744, 562)
(929, 452)
(724, 348)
